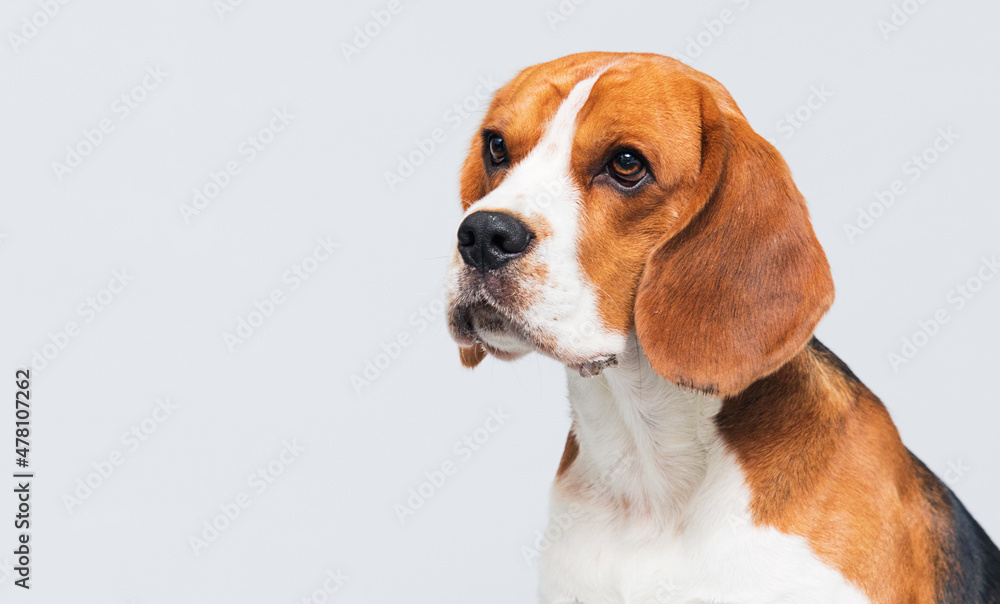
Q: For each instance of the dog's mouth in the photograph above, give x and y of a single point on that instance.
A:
(503, 335)
(496, 331)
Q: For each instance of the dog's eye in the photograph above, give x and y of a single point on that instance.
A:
(498, 149)
(628, 168)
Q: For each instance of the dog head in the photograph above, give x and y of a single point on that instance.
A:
(611, 193)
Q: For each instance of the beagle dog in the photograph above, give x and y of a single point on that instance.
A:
(623, 218)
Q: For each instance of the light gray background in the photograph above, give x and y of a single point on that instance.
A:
(333, 508)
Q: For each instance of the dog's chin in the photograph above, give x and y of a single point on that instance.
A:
(502, 354)
(505, 339)
(482, 324)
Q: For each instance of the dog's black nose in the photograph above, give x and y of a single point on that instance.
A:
(489, 240)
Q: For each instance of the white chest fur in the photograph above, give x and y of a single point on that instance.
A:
(655, 510)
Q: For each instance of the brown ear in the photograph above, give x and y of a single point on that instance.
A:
(738, 290)
(471, 355)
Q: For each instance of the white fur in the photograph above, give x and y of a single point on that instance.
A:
(541, 185)
(686, 535)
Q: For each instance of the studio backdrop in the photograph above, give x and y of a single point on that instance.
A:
(224, 231)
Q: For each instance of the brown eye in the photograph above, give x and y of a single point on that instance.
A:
(627, 168)
(498, 149)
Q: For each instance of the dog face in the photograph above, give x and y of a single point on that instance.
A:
(607, 193)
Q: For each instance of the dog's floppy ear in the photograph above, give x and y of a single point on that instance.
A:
(738, 290)
(471, 355)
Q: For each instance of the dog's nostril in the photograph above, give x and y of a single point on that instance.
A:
(500, 242)
(513, 243)
(489, 240)
(466, 237)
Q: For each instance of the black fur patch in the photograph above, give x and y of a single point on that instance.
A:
(976, 561)
(827, 355)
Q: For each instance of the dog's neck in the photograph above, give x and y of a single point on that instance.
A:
(644, 445)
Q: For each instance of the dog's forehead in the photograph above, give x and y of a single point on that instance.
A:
(538, 90)
(634, 92)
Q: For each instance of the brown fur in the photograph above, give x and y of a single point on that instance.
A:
(569, 454)
(471, 355)
(824, 461)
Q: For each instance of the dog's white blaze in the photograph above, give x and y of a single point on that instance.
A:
(541, 185)
(687, 535)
